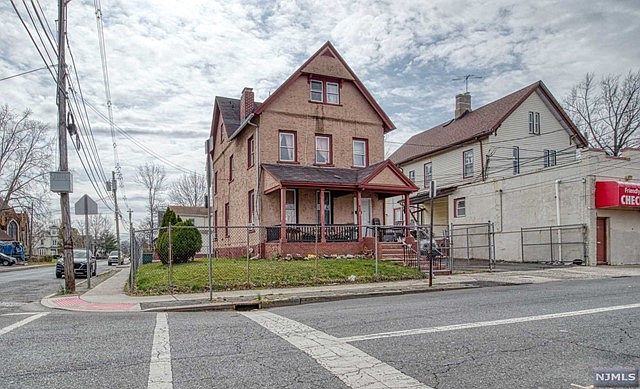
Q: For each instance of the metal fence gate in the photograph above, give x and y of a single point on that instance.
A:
(554, 244)
(472, 247)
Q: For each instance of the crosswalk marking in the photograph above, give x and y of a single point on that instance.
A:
(160, 376)
(22, 322)
(430, 330)
(353, 366)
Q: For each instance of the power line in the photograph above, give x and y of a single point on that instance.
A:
(27, 72)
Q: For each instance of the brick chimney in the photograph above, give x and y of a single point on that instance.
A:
(463, 104)
(247, 105)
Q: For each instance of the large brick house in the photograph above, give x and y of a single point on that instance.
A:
(307, 164)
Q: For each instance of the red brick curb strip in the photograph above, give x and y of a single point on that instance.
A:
(75, 303)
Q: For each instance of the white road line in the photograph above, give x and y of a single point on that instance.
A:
(160, 376)
(20, 313)
(22, 322)
(353, 366)
(490, 323)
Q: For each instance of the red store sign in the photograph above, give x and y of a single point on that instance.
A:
(616, 194)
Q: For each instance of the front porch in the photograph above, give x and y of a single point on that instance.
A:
(331, 207)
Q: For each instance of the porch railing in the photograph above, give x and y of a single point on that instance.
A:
(310, 233)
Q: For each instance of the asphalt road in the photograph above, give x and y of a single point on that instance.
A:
(20, 287)
(452, 339)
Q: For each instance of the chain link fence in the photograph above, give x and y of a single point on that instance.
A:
(554, 244)
(183, 259)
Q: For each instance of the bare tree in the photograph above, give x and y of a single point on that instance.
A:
(25, 159)
(607, 112)
(99, 227)
(189, 190)
(152, 177)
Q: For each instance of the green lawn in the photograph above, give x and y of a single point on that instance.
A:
(231, 274)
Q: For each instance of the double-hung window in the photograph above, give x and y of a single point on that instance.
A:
(467, 164)
(549, 158)
(428, 174)
(412, 175)
(317, 91)
(360, 157)
(460, 207)
(323, 150)
(251, 152)
(227, 217)
(516, 160)
(231, 168)
(250, 204)
(534, 123)
(321, 91)
(287, 142)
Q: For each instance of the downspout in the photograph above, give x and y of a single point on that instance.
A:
(557, 184)
(257, 198)
(482, 161)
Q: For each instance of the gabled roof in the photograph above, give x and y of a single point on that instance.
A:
(312, 176)
(229, 109)
(329, 46)
(476, 124)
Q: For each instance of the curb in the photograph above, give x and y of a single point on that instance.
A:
(296, 300)
(22, 267)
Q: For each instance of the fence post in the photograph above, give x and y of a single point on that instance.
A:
(585, 256)
(375, 247)
(170, 275)
(493, 246)
(417, 246)
(551, 242)
(522, 244)
(315, 242)
(451, 257)
(489, 244)
(248, 247)
(467, 232)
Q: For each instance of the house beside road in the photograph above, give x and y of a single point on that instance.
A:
(519, 168)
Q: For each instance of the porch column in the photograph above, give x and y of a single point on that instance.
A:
(359, 214)
(283, 215)
(407, 213)
(323, 238)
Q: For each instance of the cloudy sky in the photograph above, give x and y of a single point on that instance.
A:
(168, 59)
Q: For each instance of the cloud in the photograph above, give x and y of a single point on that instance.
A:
(167, 62)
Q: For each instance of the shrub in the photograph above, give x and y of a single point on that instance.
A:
(186, 240)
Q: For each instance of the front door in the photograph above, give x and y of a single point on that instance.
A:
(601, 241)
(366, 214)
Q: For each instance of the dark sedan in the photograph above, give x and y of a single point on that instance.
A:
(79, 264)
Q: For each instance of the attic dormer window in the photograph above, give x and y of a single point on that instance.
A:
(322, 91)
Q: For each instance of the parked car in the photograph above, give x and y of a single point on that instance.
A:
(7, 260)
(79, 264)
(113, 258)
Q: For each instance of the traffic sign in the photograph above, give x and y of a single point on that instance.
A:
(86, 206)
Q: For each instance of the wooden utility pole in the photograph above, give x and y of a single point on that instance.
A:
(61, 88)
(114, 187)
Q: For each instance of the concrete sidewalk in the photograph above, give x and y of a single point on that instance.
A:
(109, 296)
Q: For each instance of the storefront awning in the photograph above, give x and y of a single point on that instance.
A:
(616, 194)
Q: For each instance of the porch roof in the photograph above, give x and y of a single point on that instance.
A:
(425, 196)
(383, 177)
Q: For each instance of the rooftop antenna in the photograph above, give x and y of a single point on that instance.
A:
(466, 78)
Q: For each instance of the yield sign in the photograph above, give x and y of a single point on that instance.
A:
(86, 206)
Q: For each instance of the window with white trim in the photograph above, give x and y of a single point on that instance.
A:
(287, 143)
(534, 123)
(323, 150)
(516, 160)
(316, 91)
(359, 153)
(467, 161)
(459, 207)
(333, 93)
(549, 158)
(412, 175)
(428, 174)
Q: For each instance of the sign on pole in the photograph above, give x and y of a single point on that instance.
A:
(86, 206)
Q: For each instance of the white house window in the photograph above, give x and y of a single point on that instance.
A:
(534, 123)
(549, 158)
(327, 208)
(428, 174)
(333, 93)
(359, 153)
(459, 207)
(516, 160)
(316, 91)
(412, 175)
(323, 150)
(398, 216)
(467, 158)
(287, 146)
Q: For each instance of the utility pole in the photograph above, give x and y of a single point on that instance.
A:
(67, 240)
(132, 247)
(114, 187)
